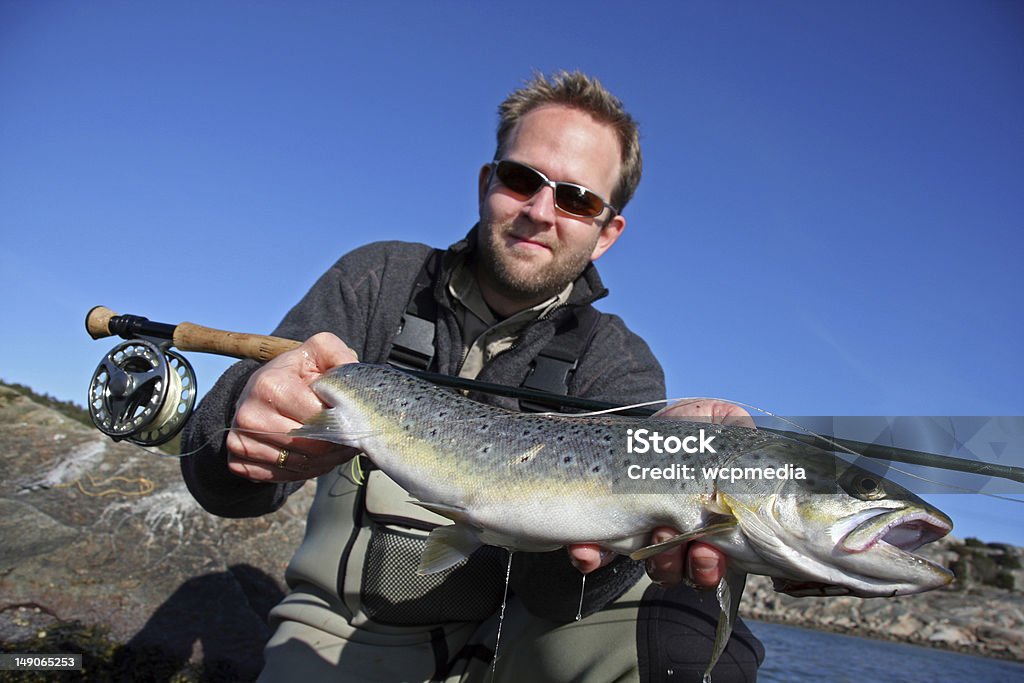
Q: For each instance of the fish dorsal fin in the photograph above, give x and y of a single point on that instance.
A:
(710, 529)
(446, 547)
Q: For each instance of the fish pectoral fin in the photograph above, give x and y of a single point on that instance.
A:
(729, 603)
(446, 547)
(651, 550)
(452, 512)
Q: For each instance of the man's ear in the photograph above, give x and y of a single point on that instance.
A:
(483, 182)
(609, 233)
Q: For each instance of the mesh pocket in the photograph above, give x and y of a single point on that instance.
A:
(394, 594)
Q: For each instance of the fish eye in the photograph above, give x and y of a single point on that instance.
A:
(867, 486)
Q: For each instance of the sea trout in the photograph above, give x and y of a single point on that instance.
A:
(537, 482)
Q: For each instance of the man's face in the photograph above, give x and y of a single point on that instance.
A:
(529, 249)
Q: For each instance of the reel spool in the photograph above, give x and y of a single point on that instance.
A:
(142, 393)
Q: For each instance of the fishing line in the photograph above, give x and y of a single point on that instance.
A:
(614, 409)
(356, 471)
(583, 588)
(501, 615)
(145, 486)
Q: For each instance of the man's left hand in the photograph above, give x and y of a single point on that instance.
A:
(697, 563)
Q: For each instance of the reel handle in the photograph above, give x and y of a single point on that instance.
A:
(102, 322)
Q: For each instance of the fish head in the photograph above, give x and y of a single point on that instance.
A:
(857, 536)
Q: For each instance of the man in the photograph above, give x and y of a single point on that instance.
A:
(567, 163)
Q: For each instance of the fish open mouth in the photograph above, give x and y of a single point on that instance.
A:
(903, 529)
(906, 529)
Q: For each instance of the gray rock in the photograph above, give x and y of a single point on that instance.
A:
(951, 635)
(905, 626)
(27, 532)
(106, 533)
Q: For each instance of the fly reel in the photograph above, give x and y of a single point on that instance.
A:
(142, 392)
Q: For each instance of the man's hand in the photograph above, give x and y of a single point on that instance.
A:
(702, 565)
(696, 563)
(278, 399)
(708, 410)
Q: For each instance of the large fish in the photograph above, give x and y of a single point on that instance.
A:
(538, 482)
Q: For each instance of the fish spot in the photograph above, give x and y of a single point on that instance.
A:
(595, 468)
(528, 454)
(567, 459)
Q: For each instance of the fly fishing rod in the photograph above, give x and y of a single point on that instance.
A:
(144, 392)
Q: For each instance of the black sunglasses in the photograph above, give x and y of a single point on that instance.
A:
(569, 197)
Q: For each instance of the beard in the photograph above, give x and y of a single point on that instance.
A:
(518, 277)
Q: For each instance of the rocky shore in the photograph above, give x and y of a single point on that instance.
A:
(104, 552)
(968, 616)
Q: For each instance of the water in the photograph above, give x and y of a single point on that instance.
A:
(797, 655)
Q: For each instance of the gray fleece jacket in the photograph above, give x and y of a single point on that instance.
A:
(361, 299)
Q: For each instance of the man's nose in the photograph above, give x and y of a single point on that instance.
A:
(540, 208)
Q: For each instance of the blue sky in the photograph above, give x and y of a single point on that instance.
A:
(829, 222)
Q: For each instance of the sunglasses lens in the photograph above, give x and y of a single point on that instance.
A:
(570, 198)
(578, 200)
(518, 178)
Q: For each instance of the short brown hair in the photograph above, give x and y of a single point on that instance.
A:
(585, 93)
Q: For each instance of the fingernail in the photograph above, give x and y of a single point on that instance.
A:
(653, 574)
(704, 563)
(700, 566)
